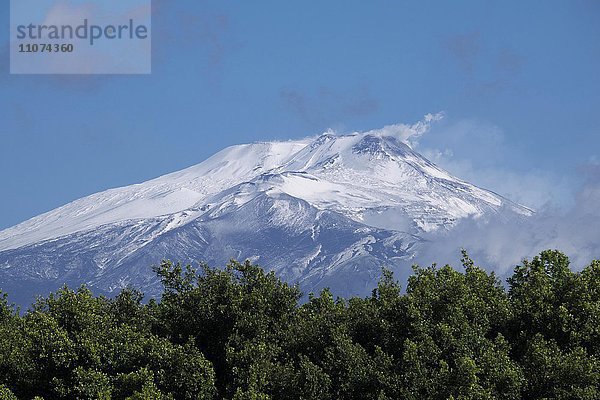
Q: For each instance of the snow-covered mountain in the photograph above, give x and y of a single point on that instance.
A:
(328, 211)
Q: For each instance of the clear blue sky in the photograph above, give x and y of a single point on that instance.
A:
(519, 83)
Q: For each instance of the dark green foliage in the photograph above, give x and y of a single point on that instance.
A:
(555, 327)
(240, 333)
(233, 316)
(74, 345)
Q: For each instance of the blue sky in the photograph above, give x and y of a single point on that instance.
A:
(518, 84)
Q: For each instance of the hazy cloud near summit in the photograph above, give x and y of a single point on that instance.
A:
(479, 153)
(499, 245)
(567, 214)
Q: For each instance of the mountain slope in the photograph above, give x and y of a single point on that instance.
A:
(323, 212)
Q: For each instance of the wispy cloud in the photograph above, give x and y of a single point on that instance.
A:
(500, 244)
(465, 49)
(110, 58)
(177, 31)
(487, 70)
(203, 30)
(410, 134)
(328, 106)
(567, 216)
(65, 13)
(509, 61)
(478, 152)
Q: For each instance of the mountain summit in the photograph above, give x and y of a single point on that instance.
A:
(328, 211)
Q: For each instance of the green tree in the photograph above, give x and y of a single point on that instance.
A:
(240, 333)
(454, 322)
(235, 317)
(553, 373)
(554, 328)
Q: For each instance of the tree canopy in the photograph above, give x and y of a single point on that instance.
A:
(242, 333)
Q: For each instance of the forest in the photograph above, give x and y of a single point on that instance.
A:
(242, 333)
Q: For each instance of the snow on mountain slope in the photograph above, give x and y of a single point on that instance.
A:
(164, 195)
(357, 175)
(328, 211)
(312, 249)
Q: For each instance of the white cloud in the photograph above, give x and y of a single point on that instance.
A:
(567, 216)
(478, 153)
(409, 134)
(534, 188)
(499, 245)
